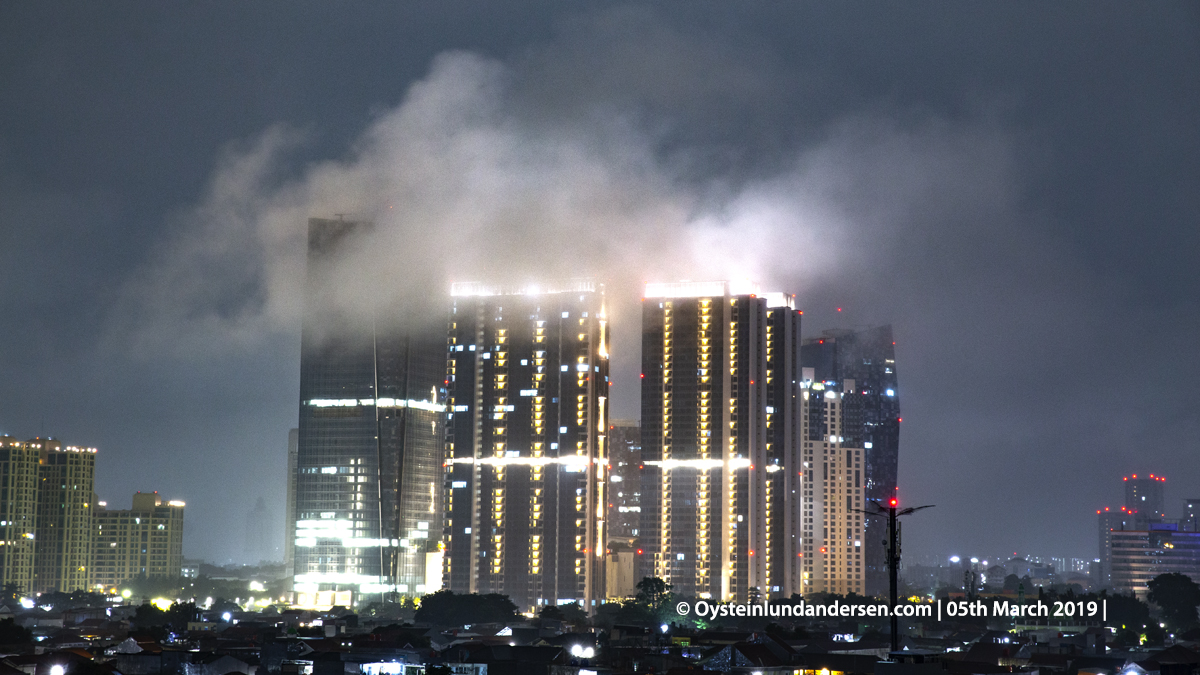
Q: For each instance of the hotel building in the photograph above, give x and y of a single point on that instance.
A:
(525, 453)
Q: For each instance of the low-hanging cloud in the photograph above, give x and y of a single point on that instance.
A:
(482, 174)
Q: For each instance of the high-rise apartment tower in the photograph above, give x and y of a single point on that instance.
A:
(718, 432)
(18, 512)
(144, 540)
(527, 371)
(864, 361)
(66, 490)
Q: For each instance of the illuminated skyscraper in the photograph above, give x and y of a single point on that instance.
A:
(718, 409)
(66, 488)
(526, 460)
(832, 555)
(145, 540)
(369, 449)
(18, 512)
(863, 362)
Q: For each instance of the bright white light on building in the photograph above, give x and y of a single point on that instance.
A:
(663, 628)
(954, 558)
(57, 670)
(27, 603)
(227, 617)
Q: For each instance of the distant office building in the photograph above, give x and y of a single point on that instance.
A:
(1144, 507)
(526, 443)
(289, 519)
(831, 559)
(1140, 555)
(1110, 520)
(367, 506)
(624, 480)
(257, 547)
(713, 364)
(1144, 497)
(1191, 516)
(871, 421)
(18, 512)
(66, 490)
(145, 540)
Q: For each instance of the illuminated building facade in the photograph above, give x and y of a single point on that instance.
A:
(1111, 520)
(526, 462)
(146, 539)
(832, 554)
(66, 490)
(624, 480)
(714, 366)
(368, 457)
(870, 421)
(18, 512)
(1140, 555)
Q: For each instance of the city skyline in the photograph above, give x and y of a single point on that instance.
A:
(1011, 188)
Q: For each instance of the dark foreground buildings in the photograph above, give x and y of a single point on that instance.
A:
(369, 450)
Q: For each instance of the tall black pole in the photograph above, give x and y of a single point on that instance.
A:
(893, 562)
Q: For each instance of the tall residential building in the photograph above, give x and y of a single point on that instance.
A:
(18, 512)
(66, 488)
(145, 540)
(527, 371)
(713, 367)
(833, 530)
(367, 507)
(289, 518)
(783, 436)
(871, 421)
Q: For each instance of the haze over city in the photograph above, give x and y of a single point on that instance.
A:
(1011, 188)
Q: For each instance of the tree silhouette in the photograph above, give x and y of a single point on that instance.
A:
(653, 592)
(1177, 595)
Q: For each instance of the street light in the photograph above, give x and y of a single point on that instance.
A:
(893, 544)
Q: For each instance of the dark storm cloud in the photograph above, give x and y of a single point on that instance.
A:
(1009, 186)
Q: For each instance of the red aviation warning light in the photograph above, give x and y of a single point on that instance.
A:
(893, 501)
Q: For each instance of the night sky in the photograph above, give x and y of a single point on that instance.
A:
(1015, 187)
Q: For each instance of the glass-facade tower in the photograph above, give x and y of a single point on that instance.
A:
(368, 457)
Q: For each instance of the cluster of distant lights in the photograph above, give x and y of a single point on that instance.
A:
(973, 561)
